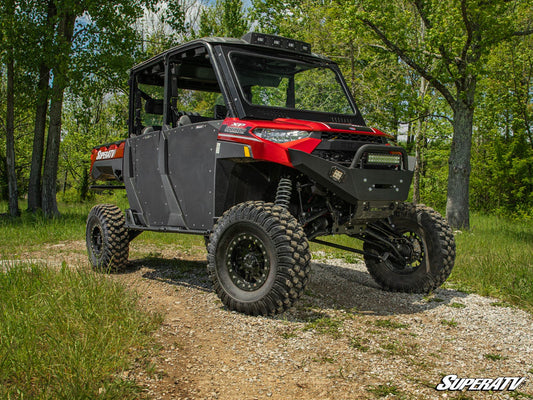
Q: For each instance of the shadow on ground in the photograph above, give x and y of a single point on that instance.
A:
(179, 272)
(351, 288)
(331, 286)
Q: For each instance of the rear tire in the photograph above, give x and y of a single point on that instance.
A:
(107, 238)
(258, 258)
(430, 252)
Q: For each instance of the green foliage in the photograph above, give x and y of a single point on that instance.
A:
(67, 334)
(494, 259)
(227, 18)
(502, 179)
(110, 37)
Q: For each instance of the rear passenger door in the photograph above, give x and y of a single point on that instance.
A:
(172, 177)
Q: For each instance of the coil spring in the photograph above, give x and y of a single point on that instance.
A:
(284, 192)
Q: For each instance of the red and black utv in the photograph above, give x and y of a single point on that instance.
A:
(257, 144)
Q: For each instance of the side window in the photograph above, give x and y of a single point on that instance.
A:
(151, 110)
(195, 95)
(148, 98)
(197, 102)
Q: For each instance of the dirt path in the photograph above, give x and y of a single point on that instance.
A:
(345, 339)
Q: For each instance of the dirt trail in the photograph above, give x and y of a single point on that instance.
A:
(345, 339)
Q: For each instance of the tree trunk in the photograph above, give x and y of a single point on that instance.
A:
(49, 202)
(34, 185)
(419, 138)
(10, 137)
(457, 206)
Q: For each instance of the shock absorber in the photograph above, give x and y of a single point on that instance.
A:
(284, 192)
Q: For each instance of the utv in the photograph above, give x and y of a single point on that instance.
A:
(257, 144)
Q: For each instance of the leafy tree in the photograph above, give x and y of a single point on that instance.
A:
(503, 155)
(225, 18)
(459, 35)
(45, 28)
(92, 41)
(7, 29)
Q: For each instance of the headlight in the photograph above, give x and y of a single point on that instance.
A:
(280, 135)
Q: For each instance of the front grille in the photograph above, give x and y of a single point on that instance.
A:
(340, 148)
(352, 136)
(340, 157)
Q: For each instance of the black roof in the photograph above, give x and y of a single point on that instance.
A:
(219, 41)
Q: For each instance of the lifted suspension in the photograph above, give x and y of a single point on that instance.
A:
(284, 193)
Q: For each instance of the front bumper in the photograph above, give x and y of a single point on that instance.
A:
(355, 184)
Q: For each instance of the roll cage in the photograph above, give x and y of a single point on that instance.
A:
(164, 89)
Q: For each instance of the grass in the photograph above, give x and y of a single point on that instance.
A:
(325, 325)
(389, 324)
(359, 344)
(456, 305)
(496, 258)
(385, 390)
(493, 356)
(68, 334)
(452, 323)
(31, 231)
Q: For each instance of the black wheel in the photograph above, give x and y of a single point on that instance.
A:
(107, 238)
(258, 258)
(426, 246)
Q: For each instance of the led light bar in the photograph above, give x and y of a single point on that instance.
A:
(381, 159)
(279, 42)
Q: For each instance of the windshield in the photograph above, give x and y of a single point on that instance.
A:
(275, 82)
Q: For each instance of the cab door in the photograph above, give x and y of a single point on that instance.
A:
(171, 165)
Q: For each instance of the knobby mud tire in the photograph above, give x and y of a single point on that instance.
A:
(439, 252)
(107, 238)
(274, 243)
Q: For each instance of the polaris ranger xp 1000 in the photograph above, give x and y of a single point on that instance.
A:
(257, 144)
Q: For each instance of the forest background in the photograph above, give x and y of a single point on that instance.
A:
(453, 81)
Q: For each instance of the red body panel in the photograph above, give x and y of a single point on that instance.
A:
(241, 131)
(107, 152)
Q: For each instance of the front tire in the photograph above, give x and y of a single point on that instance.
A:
(258, 258)
(426, 240)
(107, 238)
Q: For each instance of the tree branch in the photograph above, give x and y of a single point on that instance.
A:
(425, 52)
(420, 8)
(427, 23)
(412, 63)
(525, 32)
(427, 115)
(469, 33)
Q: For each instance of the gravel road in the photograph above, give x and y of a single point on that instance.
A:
(345, 339)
